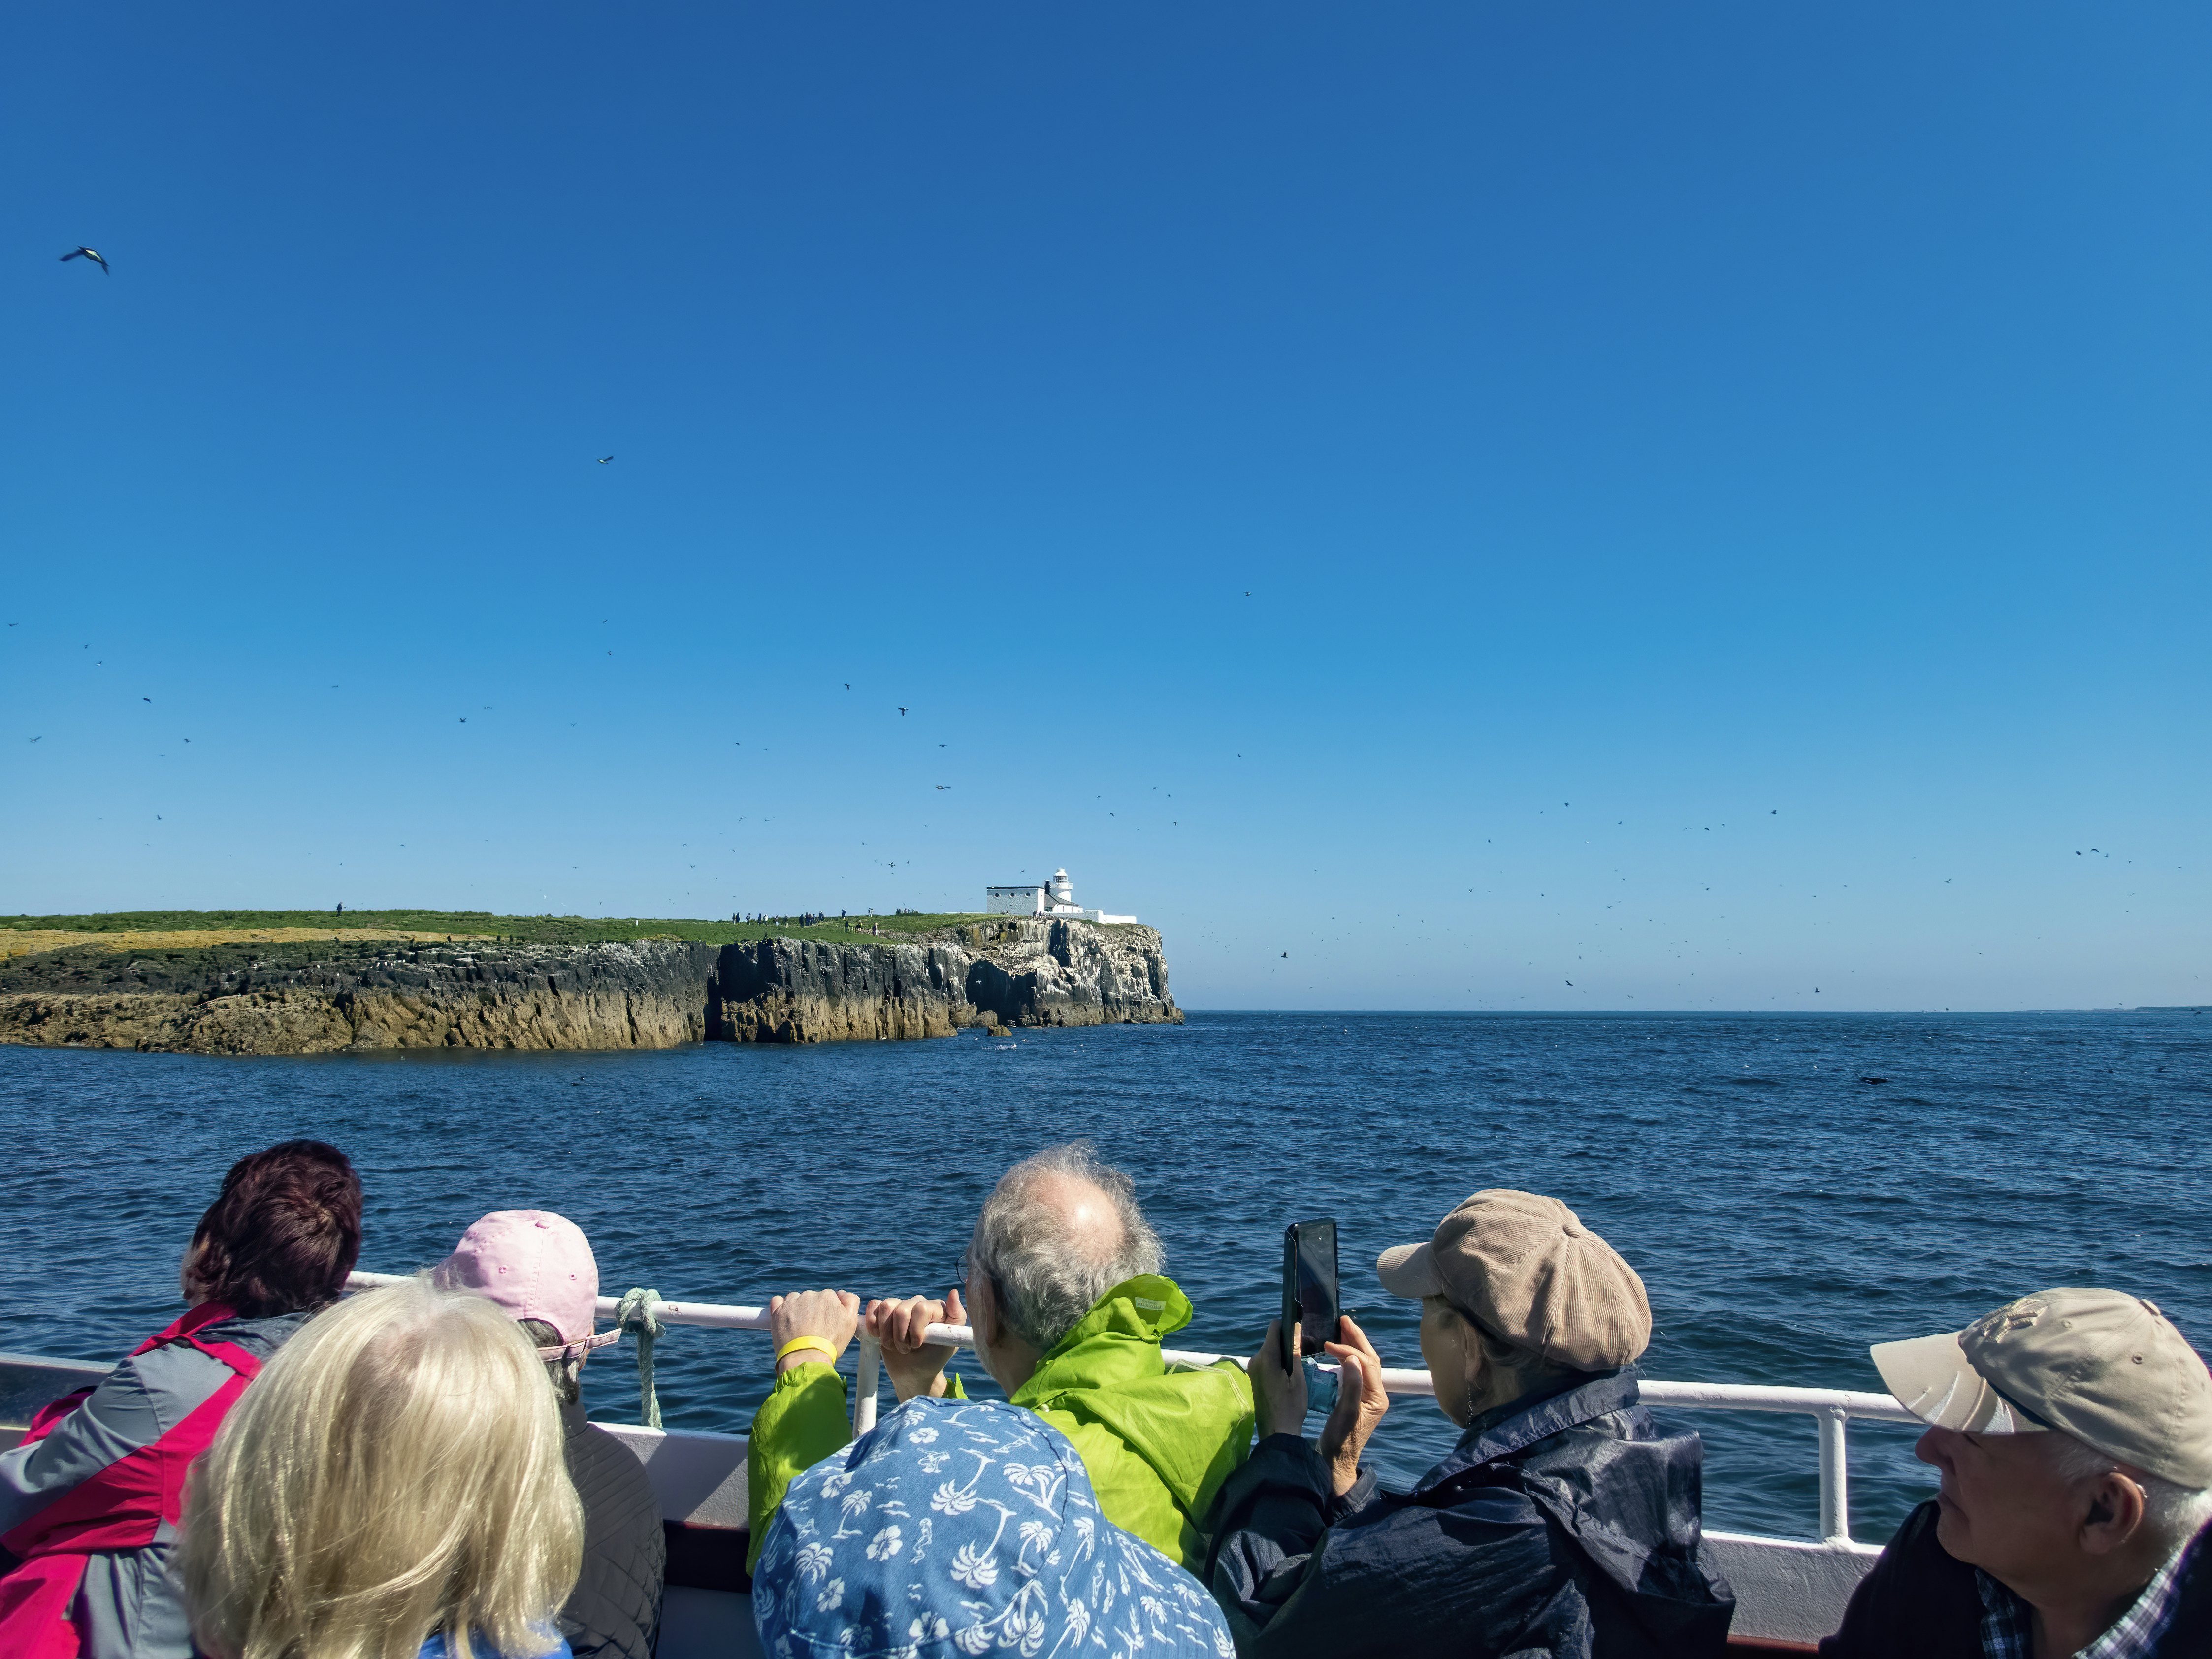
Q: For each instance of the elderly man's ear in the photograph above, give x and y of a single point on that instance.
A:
(2115, 1515)
(982, 1310)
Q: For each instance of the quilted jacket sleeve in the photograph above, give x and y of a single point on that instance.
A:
(614, 1611)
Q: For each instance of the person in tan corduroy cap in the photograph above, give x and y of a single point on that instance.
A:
(1562, 1522)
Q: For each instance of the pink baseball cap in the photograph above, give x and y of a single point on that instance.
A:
(536, 1265)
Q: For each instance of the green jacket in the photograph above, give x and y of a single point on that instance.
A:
(1157, 1441)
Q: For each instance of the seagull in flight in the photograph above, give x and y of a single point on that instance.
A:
(902, 711)
(604, 459)
(87, 253)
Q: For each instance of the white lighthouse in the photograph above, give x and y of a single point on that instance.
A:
(1053, 898)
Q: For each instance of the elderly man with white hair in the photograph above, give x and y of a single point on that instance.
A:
(1069, 1302)
(2073, 1432)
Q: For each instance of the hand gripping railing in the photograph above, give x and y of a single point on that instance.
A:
(1831, 1408)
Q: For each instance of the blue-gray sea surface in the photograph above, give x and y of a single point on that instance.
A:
(1784, 1212)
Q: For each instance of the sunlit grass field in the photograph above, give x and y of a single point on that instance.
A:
(149, 929)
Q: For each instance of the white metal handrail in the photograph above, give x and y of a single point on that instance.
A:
(1831, 1408)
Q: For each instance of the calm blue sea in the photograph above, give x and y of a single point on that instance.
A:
(1783, 1213)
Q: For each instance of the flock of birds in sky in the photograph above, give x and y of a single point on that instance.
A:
(93, 256)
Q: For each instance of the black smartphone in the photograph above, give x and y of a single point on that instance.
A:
(1309, 1304)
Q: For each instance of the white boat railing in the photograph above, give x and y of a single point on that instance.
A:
(1832, 1409)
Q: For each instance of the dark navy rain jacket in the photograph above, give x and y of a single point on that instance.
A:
(1563, 1525)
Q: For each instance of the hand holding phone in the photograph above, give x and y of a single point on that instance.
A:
(1310, 1309)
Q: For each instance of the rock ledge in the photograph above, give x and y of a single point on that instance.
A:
(299, 999)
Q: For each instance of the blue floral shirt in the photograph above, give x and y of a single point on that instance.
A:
(969, 1527)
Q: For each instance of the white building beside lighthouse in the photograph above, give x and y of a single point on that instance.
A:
(1053, 898)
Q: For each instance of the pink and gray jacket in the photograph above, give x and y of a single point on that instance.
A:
(89, 1501)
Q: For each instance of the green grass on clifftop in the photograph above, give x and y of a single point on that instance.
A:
(530, 930)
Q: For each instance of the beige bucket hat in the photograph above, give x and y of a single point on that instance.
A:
(1528, 1270)
(2105, 1367)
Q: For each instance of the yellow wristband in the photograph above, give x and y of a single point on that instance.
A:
(800, 1344)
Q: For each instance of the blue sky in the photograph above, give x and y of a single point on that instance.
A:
(1425, 507)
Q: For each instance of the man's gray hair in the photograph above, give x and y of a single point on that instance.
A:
(2173, 1514)
(1045, 1280)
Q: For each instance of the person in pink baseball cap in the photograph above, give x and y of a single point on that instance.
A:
(539, 1268)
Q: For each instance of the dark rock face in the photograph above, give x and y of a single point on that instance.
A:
(310, 998)
(1015, 972)
(1059, 973)
(315, 998)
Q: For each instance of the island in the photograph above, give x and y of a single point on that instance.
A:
(303, 983)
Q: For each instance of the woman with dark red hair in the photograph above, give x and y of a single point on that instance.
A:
(89, 1500)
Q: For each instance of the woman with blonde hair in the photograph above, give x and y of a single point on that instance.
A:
(391, 1486)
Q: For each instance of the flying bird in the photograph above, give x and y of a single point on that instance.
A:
(145, 700)
(87, 253)
(41, 738)
(604, 459)
(902, 711)
(1570, 982)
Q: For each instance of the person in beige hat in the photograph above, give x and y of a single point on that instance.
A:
(1562, 1522)
(2073, 1430)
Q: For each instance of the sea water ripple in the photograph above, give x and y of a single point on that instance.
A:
(1782, 1212)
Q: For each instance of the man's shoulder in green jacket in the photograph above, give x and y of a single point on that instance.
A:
(1157, 1441)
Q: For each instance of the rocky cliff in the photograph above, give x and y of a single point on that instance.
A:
(1014, 972)
(300, 998)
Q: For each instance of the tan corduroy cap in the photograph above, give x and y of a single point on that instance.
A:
(2105, 1367)
(1528, 1270)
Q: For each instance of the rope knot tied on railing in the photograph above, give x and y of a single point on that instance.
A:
(639, 1311)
